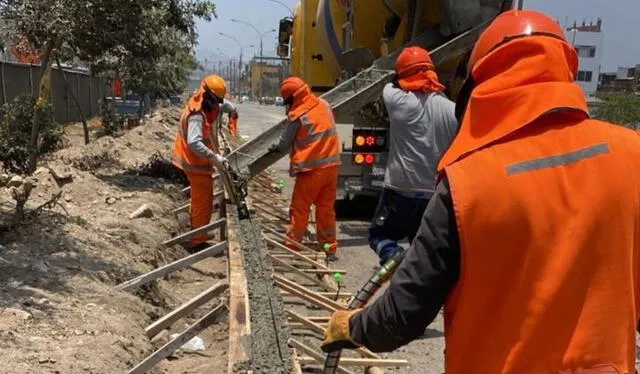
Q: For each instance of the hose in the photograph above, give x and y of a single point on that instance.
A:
(361, 299)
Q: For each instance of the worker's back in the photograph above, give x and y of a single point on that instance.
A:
(549, 223)
(422, 126)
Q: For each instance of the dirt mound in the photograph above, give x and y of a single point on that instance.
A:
(59, 309)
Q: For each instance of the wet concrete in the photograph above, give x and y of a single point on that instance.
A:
(269, 333)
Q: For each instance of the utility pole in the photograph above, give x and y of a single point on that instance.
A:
(261, 36)
(241, 49)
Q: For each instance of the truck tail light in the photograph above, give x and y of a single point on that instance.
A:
(358, 158)
(360, 140)
(369, 159)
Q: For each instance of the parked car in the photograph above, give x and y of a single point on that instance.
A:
(279, 101)
(244, 99)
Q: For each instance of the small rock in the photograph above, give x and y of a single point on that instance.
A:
(47, 360)
(78, 332)
(37, 313)
(110, 200)
(41, 266)
(68, 198)
(60, 171)
(15, 181)
(4, 179)
(90, 306)
(21, 314)
(143, 211)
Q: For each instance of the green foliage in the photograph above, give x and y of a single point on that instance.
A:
(112, 123)
(149, 43)
(621, 108)
(15, 133)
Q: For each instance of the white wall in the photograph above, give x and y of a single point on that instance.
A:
(592, 64)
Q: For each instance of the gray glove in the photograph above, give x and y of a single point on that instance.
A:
(218, 161)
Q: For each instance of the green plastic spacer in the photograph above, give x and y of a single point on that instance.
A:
(326, 247)
(338, 277)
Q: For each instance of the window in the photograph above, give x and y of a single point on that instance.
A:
(584, 76)
(586, 51)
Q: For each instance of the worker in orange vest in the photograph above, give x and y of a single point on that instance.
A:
(194, 150)
(532, 239)
(312, 140)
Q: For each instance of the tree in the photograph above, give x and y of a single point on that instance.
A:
(123, 36)
(622, 108)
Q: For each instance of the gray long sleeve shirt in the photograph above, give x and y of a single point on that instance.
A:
(422, 126)
(195, 137)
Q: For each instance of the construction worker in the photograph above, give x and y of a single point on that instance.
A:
(312, 140)
(532, 239)
(194, 150)
(422, 124)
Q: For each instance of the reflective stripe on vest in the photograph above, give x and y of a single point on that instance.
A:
(316, 144)
(183, 157)
(550, 261)
(315, 137)
(302, 166)
(184, 165)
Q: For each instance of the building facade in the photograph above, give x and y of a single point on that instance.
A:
(588, 40)
(264, 79)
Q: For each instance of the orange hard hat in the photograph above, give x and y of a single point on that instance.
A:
(412, 60)
(289, 86)
(514, 24)
(216, 85)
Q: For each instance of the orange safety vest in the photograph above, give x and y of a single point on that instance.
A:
(316, 144)
(547, 205)
(183, 156)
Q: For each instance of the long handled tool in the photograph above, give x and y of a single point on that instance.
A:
(362, 298)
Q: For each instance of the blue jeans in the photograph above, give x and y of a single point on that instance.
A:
(397, 216)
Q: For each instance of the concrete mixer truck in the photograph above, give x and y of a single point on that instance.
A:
(346, 49)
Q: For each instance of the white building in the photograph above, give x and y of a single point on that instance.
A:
(588, 42)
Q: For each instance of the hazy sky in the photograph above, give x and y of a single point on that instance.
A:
(619, 22)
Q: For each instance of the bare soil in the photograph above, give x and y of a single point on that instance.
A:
(60, 311)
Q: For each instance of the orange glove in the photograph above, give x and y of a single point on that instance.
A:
(337, 335)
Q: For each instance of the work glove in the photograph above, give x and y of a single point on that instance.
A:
(218, 161)
(388, 252)
(274, 148)
(337, 335)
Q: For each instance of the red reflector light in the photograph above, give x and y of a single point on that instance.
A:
(370, 140)
(369, 159)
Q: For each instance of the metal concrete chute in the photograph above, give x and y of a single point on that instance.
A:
(352, 94)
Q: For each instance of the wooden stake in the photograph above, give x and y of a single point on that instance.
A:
(315, 355)
(320, 329)
(186, 308)
(336, 305)
(167, 349)
(301, 273)
(188, 235)
(169, 268)
(239, 313)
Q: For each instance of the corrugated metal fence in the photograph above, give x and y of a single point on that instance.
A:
(20, 79)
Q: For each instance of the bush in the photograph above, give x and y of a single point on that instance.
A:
(112, 123)
(15, 133)
(622, 108)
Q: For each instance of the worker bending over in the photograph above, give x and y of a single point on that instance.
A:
(312, 140)
(422, 124)
(532, 239)
(194, 150)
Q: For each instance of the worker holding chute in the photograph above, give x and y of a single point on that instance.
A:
(532, 239)
(422, 124)
(194, 150)
(312, 140)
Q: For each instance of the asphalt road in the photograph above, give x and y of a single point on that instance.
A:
(425, 355)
